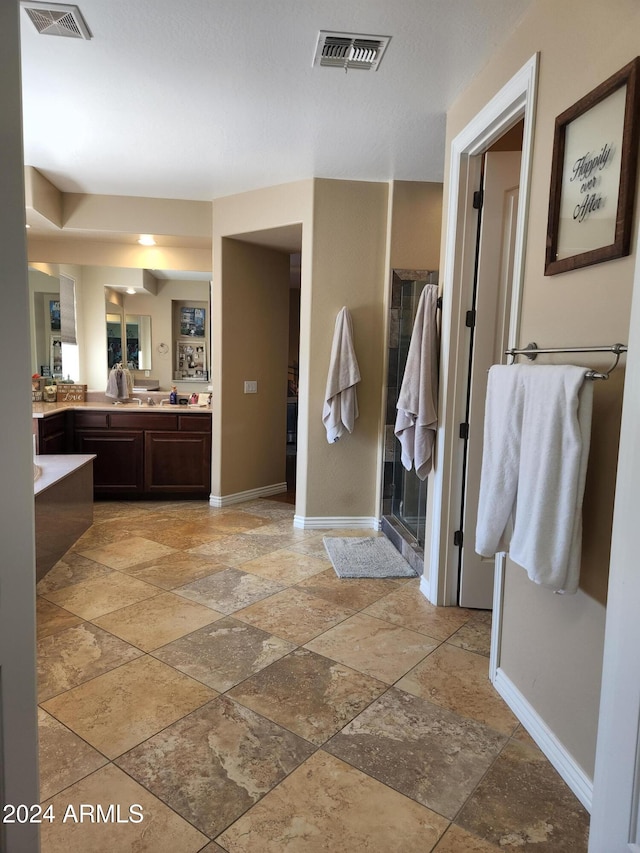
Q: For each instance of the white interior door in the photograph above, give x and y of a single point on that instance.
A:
(615, 817)
(493, 304)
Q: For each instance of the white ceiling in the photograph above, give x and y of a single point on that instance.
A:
(197, 99)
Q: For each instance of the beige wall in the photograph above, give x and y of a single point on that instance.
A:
(552, 645)
(342, 263)
(349, 242)
(351, 230)
(65, 249)
(416, 224)
(255, 308)
(247, 213)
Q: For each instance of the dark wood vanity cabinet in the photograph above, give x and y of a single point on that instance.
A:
(143, 454)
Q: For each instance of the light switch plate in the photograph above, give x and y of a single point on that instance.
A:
(250, 386)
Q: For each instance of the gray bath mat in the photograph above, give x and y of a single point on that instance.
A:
(366, 557)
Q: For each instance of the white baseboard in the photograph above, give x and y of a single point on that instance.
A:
(344, 522)
(425, 588)
(560, 758)
(249, 495)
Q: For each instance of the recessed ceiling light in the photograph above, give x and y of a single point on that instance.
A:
(131, 290)
(27, 225)
(146, 240)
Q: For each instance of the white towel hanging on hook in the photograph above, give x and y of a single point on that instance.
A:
(119, 383)
(417, 414)
(340, 408)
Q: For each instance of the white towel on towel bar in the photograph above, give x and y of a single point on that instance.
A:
(417, 414)
(341, 402)
(500, 460)
(536, 447)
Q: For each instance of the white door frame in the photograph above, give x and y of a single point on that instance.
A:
(514, 101)
(615, 825)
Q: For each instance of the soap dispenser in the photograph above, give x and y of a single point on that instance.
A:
(173, 396)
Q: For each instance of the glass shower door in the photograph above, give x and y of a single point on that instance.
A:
(406, 495)
(409, 499)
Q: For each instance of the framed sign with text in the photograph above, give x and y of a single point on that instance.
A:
(593, 174)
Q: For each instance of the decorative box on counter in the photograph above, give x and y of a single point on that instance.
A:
(67, 393)
(37, 387)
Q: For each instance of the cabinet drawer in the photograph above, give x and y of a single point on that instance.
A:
(90, 420)
(142, 420)
(194, 423)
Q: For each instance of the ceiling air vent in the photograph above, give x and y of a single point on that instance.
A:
(350, 50)
(57, 19)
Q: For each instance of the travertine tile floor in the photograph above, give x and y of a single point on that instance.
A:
(208, 665)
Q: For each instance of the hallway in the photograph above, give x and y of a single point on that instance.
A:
(208, 666)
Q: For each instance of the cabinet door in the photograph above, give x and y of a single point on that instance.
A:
(178, 463)
(52, 434)
(117, 470)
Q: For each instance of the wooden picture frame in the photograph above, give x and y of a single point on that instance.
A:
(593, 175)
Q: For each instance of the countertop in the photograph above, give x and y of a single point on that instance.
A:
(49, 470)
(43, 410)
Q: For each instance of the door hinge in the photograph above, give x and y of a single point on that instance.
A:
(470, 319)
(464, 431)
(457, 538)
(478, 198)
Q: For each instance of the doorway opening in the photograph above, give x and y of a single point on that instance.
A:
(293, 375)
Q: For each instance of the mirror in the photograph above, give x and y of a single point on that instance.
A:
(114, 339)
(44, 319)
(115, 320)
(138, 334)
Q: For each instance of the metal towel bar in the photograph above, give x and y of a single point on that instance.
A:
(532, 350)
